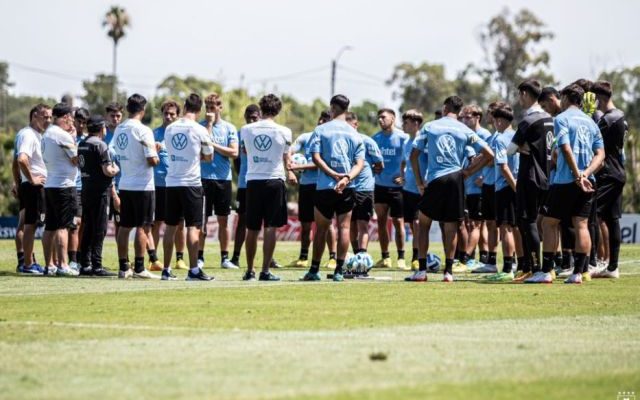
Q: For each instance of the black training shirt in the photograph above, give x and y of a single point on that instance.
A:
(614, 128)
(535, 134)
(93, 153)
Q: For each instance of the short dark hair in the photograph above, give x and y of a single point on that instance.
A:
(574, 93)
(413, 115)
(351, 116)
(386, 110)
(340, 102)
(325, 116)
(454, 104)
(585, 84)
(547, 92)
(95, 123)
(136, 103)
(531, 86)
(37, 109)
(251, 108)
(193, 103)
(113, 107)
(503, 110)
(602, 88)
(170, 103)
(270, 105)
(81, 114)
(61, 109)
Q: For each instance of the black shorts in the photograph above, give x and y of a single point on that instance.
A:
(568, 200)
(241, 199)
(113, 213)
(392, 197)
(136, 208)
(60, 206)
(609, 198)
(306, 200)
(410, 203)
(33, 203)
(330, 203)
(488, 202)
(443, 198)
(474, 206)
(266, 204)
(78, 204)
(529, 200)
(187, 202)
(363, 206)
(217, 197)
(505, 211)
(160, 213)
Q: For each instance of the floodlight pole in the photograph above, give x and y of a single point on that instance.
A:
(334, 66)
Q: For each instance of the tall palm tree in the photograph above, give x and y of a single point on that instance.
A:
(116, 19)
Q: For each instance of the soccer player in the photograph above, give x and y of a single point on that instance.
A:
(471, 116)
(135, 148)
(506, 167)
(81, 116)
(532, 139)
(96, 171)
(185, 142)
(170, 112)
(388, 191)
(445, 140)
(33, 175)
(216, 177)
(364, 185)
(612, 177)
(114, 112)
(411, 123)
(306, 194)
(581, 151)
(267, 146)
(339, 153)
(60, 156)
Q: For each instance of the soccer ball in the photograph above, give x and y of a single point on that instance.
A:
(433, 262)
(363, 263)
(298, 159)
(350, 262)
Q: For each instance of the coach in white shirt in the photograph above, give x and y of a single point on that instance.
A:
(60, 156)
(135, 147)
(187, 143)
(267, 146)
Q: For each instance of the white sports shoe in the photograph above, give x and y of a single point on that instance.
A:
(605, 273)
(594, 270)
(227, 264)
(565, 273)
(485, 269)
(540, 277)
(145, 275)
(447, 277)
(74, 266)
(51, 271)
(200, 263)
(574, 278)
(66, 271)
(418, 276)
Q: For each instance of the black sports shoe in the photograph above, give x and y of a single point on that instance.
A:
(86, 271)
(249, 276)
(103, 273)
(275, 264)
(199, 276)
(167, 275)
(268, 276)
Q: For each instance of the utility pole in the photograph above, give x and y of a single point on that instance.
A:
(334, 67)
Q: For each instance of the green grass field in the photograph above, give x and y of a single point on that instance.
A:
(73, 338)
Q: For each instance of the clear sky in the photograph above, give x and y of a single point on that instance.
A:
(260, 44)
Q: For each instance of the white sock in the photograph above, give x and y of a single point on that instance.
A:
(195, 270)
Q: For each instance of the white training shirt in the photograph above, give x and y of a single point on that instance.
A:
(185, 140)
(265, 142)
(58, 147)
(133, 143)
(30, 144)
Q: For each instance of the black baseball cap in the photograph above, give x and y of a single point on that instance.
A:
(95, 123)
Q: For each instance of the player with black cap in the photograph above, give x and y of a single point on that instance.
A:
(97, 170)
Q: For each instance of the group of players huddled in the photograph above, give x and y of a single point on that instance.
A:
(554, 181)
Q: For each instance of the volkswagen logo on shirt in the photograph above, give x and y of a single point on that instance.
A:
(262, 142)
(81, 161)
(340, 147)
(447, 146)
(122, 141)
(583, 135)
(179, 141)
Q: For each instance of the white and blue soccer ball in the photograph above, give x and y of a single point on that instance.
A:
(298, 159)
(433, 262)
(363, 263)
(350, 262)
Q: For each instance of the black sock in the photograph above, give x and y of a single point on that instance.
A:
(414, 254)
(400, 254)
(557, 260)
(520, 263)
(138, 264)
(124, 264)
(473, 254)
(179, 255)
(315, 267)
(492, 259)
(304, 254)
(508, 264)
(224, 255)
(236, 257)
(73, 256)
(385, 254)
(567, 259)
(153, 257)
(547, 261)
(21, 258)
(201, 255)
(339, 264)
(361, 250)
(448, 266)
(484, 255)
(464, 257)
(585, 267)
(580, 262)
(332, 255)
(422, 262)
(615, 238)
